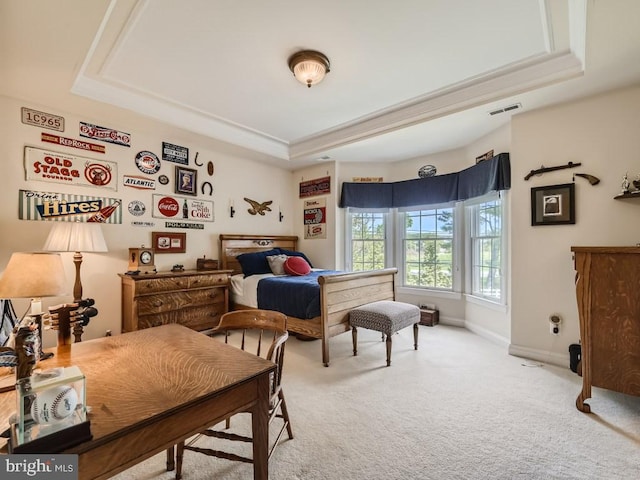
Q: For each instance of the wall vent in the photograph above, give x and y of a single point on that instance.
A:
(509, 108)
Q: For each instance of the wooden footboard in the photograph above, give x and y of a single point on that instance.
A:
(339, 293)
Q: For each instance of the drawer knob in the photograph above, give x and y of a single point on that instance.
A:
(158, 303)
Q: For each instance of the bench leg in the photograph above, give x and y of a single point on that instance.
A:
(354, 336)
(415, 336)
(388, 350)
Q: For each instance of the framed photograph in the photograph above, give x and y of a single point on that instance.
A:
(169, 242)
(186, 179)
(553, 205)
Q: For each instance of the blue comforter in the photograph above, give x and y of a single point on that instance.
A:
(292, 295)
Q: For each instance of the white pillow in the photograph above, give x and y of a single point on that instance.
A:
(276, 264)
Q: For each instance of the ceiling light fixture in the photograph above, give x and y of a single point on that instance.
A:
(309, 66)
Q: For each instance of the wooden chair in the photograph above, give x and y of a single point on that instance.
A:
(260, 322)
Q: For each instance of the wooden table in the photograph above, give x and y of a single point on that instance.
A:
(152, 388)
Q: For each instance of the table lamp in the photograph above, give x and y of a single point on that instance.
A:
(33, 275)
(76, 237)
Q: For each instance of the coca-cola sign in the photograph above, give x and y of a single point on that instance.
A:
(168, 206)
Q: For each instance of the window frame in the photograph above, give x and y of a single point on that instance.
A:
(471, 209)
(388, 229)
(457, 250)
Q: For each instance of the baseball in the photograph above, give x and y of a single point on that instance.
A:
(54, 404)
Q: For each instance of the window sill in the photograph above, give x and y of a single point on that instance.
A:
(483, 302)
(429, 292)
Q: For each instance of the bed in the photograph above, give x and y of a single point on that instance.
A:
(339, 292)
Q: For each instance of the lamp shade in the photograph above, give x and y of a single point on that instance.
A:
(75, 237)
(309, 67)
(31, 275)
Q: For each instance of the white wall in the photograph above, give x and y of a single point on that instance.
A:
(234, 177)
(601, 132)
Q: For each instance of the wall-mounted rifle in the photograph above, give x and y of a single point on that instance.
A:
(550, 169)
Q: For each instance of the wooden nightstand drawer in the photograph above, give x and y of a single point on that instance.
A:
(429, 317)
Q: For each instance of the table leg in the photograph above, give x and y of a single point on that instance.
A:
(260, 427)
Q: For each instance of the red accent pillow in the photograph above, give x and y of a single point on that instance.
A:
(296, 266)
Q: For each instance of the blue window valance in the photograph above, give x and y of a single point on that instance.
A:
(480, 179)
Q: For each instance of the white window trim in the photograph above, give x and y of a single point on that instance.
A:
(458, 239)
(388, 231)
(480, 300)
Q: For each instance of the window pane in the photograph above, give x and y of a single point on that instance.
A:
(367, 241)
(486, 249)
(428, 248)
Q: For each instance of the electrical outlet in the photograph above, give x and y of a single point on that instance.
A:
(554, 324)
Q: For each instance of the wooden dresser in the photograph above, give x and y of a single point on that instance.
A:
(195, 299)
(608, 294)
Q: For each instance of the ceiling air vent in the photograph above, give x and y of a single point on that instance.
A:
(515, 106)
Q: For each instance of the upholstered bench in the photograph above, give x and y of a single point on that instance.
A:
(387, 317)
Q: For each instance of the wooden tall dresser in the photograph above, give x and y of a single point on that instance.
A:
(195, 299)
(608, 294)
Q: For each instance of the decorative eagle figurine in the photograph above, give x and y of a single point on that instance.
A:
(257, 207)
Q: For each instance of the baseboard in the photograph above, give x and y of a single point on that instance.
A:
(487, 334)
(453, 322)
(543, 356)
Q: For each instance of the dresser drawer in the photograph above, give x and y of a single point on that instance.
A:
(155, 285)
(195, 299)
(196, 318)
(152, 304)
(197, 281)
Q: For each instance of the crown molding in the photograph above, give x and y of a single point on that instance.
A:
(524, 76)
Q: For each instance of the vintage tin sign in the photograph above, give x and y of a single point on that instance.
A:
(72, 142)
(315, 218)
(319, 186)
(141, 183)
(147, 162)
(193, 226)
(181, 208)
(89, 130)
(42, 119)
(62, 207)
(136, 208)
(175, 153)
(56, 167)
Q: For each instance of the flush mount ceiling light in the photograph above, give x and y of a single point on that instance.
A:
(309, 66)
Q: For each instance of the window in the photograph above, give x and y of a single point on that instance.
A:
(486, 249)
(428, 248)
(367, 234)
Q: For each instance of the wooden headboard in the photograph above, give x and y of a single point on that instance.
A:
(233, 245)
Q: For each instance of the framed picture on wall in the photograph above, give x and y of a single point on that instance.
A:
(553, 205)
(169, 242)
(186, 179)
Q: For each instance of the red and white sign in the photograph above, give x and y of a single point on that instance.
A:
(56, 167)
(319, 186)
(72, 142)
(104, 134)
(315, 218)
(168, 206)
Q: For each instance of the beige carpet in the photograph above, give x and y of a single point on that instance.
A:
(458, 408)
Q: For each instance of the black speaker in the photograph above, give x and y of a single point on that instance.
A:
(575, 354)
